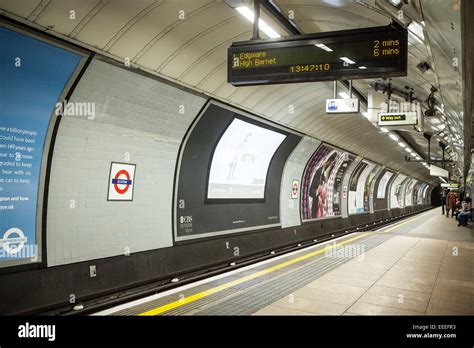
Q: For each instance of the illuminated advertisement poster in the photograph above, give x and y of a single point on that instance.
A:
(368, 192)
(425, 192)
(382, 189)
(409, 192)
(414, 198)
(396, 192)
(358, 199)
(240, 161)
(421, 189)
(33, 75)
(322, 183)
(428, 195)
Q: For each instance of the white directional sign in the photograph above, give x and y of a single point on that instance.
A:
(342, 106)
(450, 185)
(397, 118)
(437, 171)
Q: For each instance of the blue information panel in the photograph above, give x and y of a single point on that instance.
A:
(33, 75)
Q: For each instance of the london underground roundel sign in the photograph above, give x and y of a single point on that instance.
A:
(121, 181)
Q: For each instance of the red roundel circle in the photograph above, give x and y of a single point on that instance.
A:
(117, 176)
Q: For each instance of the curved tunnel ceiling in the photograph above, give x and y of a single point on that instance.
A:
(193, 52)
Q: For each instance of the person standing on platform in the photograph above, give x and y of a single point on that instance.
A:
(443, 200)
(450, 203)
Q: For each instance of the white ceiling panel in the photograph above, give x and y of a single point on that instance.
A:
(214, 78)
(178, 32)
(193, 52)
(110, 20)
(63, 16)
(200, 65)
(23, 9)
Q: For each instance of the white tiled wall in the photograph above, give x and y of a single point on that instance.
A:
(137, 117)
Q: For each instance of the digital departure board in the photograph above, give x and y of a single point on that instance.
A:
(348, 54)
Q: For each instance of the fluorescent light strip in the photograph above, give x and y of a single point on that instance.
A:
(393, 137)
(362, 67)
(324, 47)
(344, 95)
(417, 30)
(415, 37)
(249, 15)
(268, 30)
(347, 60)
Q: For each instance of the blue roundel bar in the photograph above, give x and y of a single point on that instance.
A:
(121, 181)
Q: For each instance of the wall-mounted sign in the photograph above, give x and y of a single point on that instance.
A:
(121, 181)
(437, 171)
(25, 118)
(346, 54)
(342, 106)
(294, 189)
(450, 185)
(397, 118)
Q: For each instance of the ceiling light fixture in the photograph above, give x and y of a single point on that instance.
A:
(249, 15)
(416, 38)
(347, 60)
(417, 30)
(324, 47)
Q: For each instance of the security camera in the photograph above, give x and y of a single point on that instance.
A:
(430, 113)
(423, 67)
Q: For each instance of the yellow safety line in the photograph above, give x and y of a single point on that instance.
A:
(404, 222)
(216, 289)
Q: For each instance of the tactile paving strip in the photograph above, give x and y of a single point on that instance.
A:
(176, 297)
(239, 299)
(257, 297)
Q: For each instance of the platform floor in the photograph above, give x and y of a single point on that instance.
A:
(426, 269)
(421, 266)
